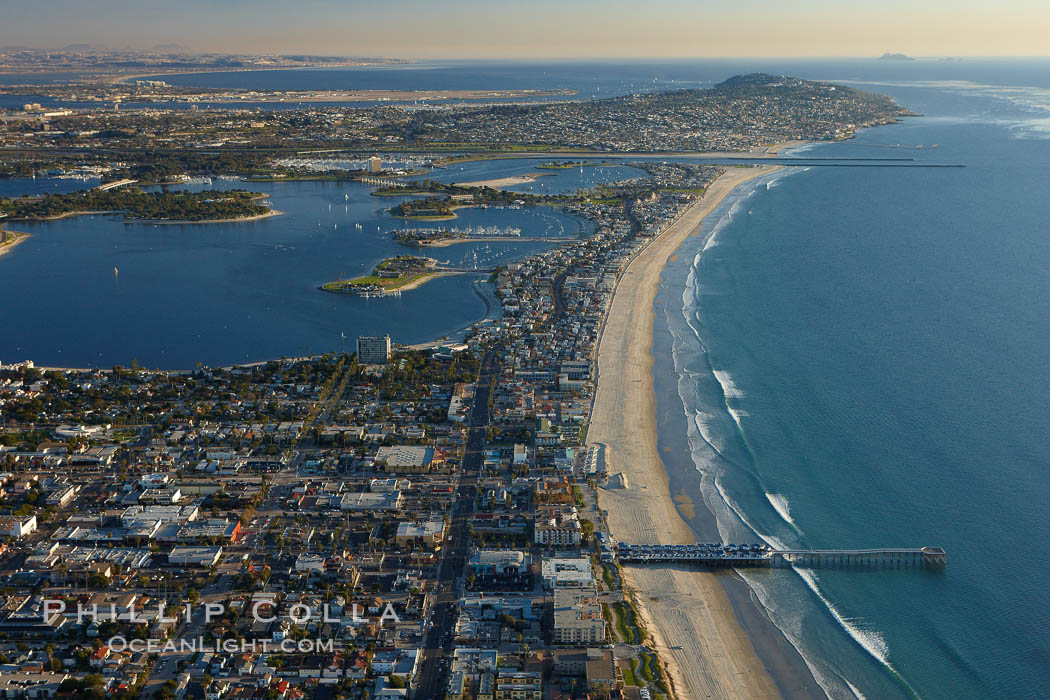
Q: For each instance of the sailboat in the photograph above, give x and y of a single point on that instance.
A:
(115, 271)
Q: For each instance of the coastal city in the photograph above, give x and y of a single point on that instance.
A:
(483, 514)
(454, 486)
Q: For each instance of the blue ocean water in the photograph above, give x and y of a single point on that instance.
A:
(861, 362)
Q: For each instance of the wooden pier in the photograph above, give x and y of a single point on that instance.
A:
(926, 557)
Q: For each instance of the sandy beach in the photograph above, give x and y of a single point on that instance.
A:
(686, 611)
(240, 219)
(503, 182)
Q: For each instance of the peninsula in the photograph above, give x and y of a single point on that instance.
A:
(10, 239)
(391, 276)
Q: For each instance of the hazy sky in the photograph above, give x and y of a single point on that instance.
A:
(540, 28)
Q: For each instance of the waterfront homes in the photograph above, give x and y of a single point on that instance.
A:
(558, 572)
(578, 617)
(556, 527)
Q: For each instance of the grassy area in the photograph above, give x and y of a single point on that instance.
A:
(629, 673)
(386, 283)
(623, 628)
(125, 434)
(647, 667)
(607, 577)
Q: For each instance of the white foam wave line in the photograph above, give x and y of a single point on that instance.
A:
(703, 431)
(828, 679)
(729, 518)
(782, 507)
(729, 388)
(824, 678)
(737, 414)
(855, 690)
(733, 207)
(709, 478)
(722, 222)
(869, 640)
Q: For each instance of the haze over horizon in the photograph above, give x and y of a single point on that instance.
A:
(542, 29)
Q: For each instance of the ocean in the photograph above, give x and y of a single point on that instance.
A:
(856, 358)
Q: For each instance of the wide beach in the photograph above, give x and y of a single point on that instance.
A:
(687, 612)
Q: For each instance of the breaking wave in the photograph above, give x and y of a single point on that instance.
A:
(782, 507)
(716, 452)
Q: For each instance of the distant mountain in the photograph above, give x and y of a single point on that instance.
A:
(753, 79)
(895, 57)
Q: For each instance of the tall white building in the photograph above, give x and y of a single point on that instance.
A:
(373, 349)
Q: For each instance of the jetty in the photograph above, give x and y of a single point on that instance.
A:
(716, 555)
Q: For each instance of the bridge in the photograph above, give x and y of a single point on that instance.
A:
(761, 555)
(115, 184)
(382, 181)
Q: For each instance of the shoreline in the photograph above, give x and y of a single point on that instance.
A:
(9, 240)
(419, 281)
(755, 153)
(155, 222)
(122, 77)
(707, 651)
(168, 222)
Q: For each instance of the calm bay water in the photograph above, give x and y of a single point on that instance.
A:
(225, 293)
(857, 360)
